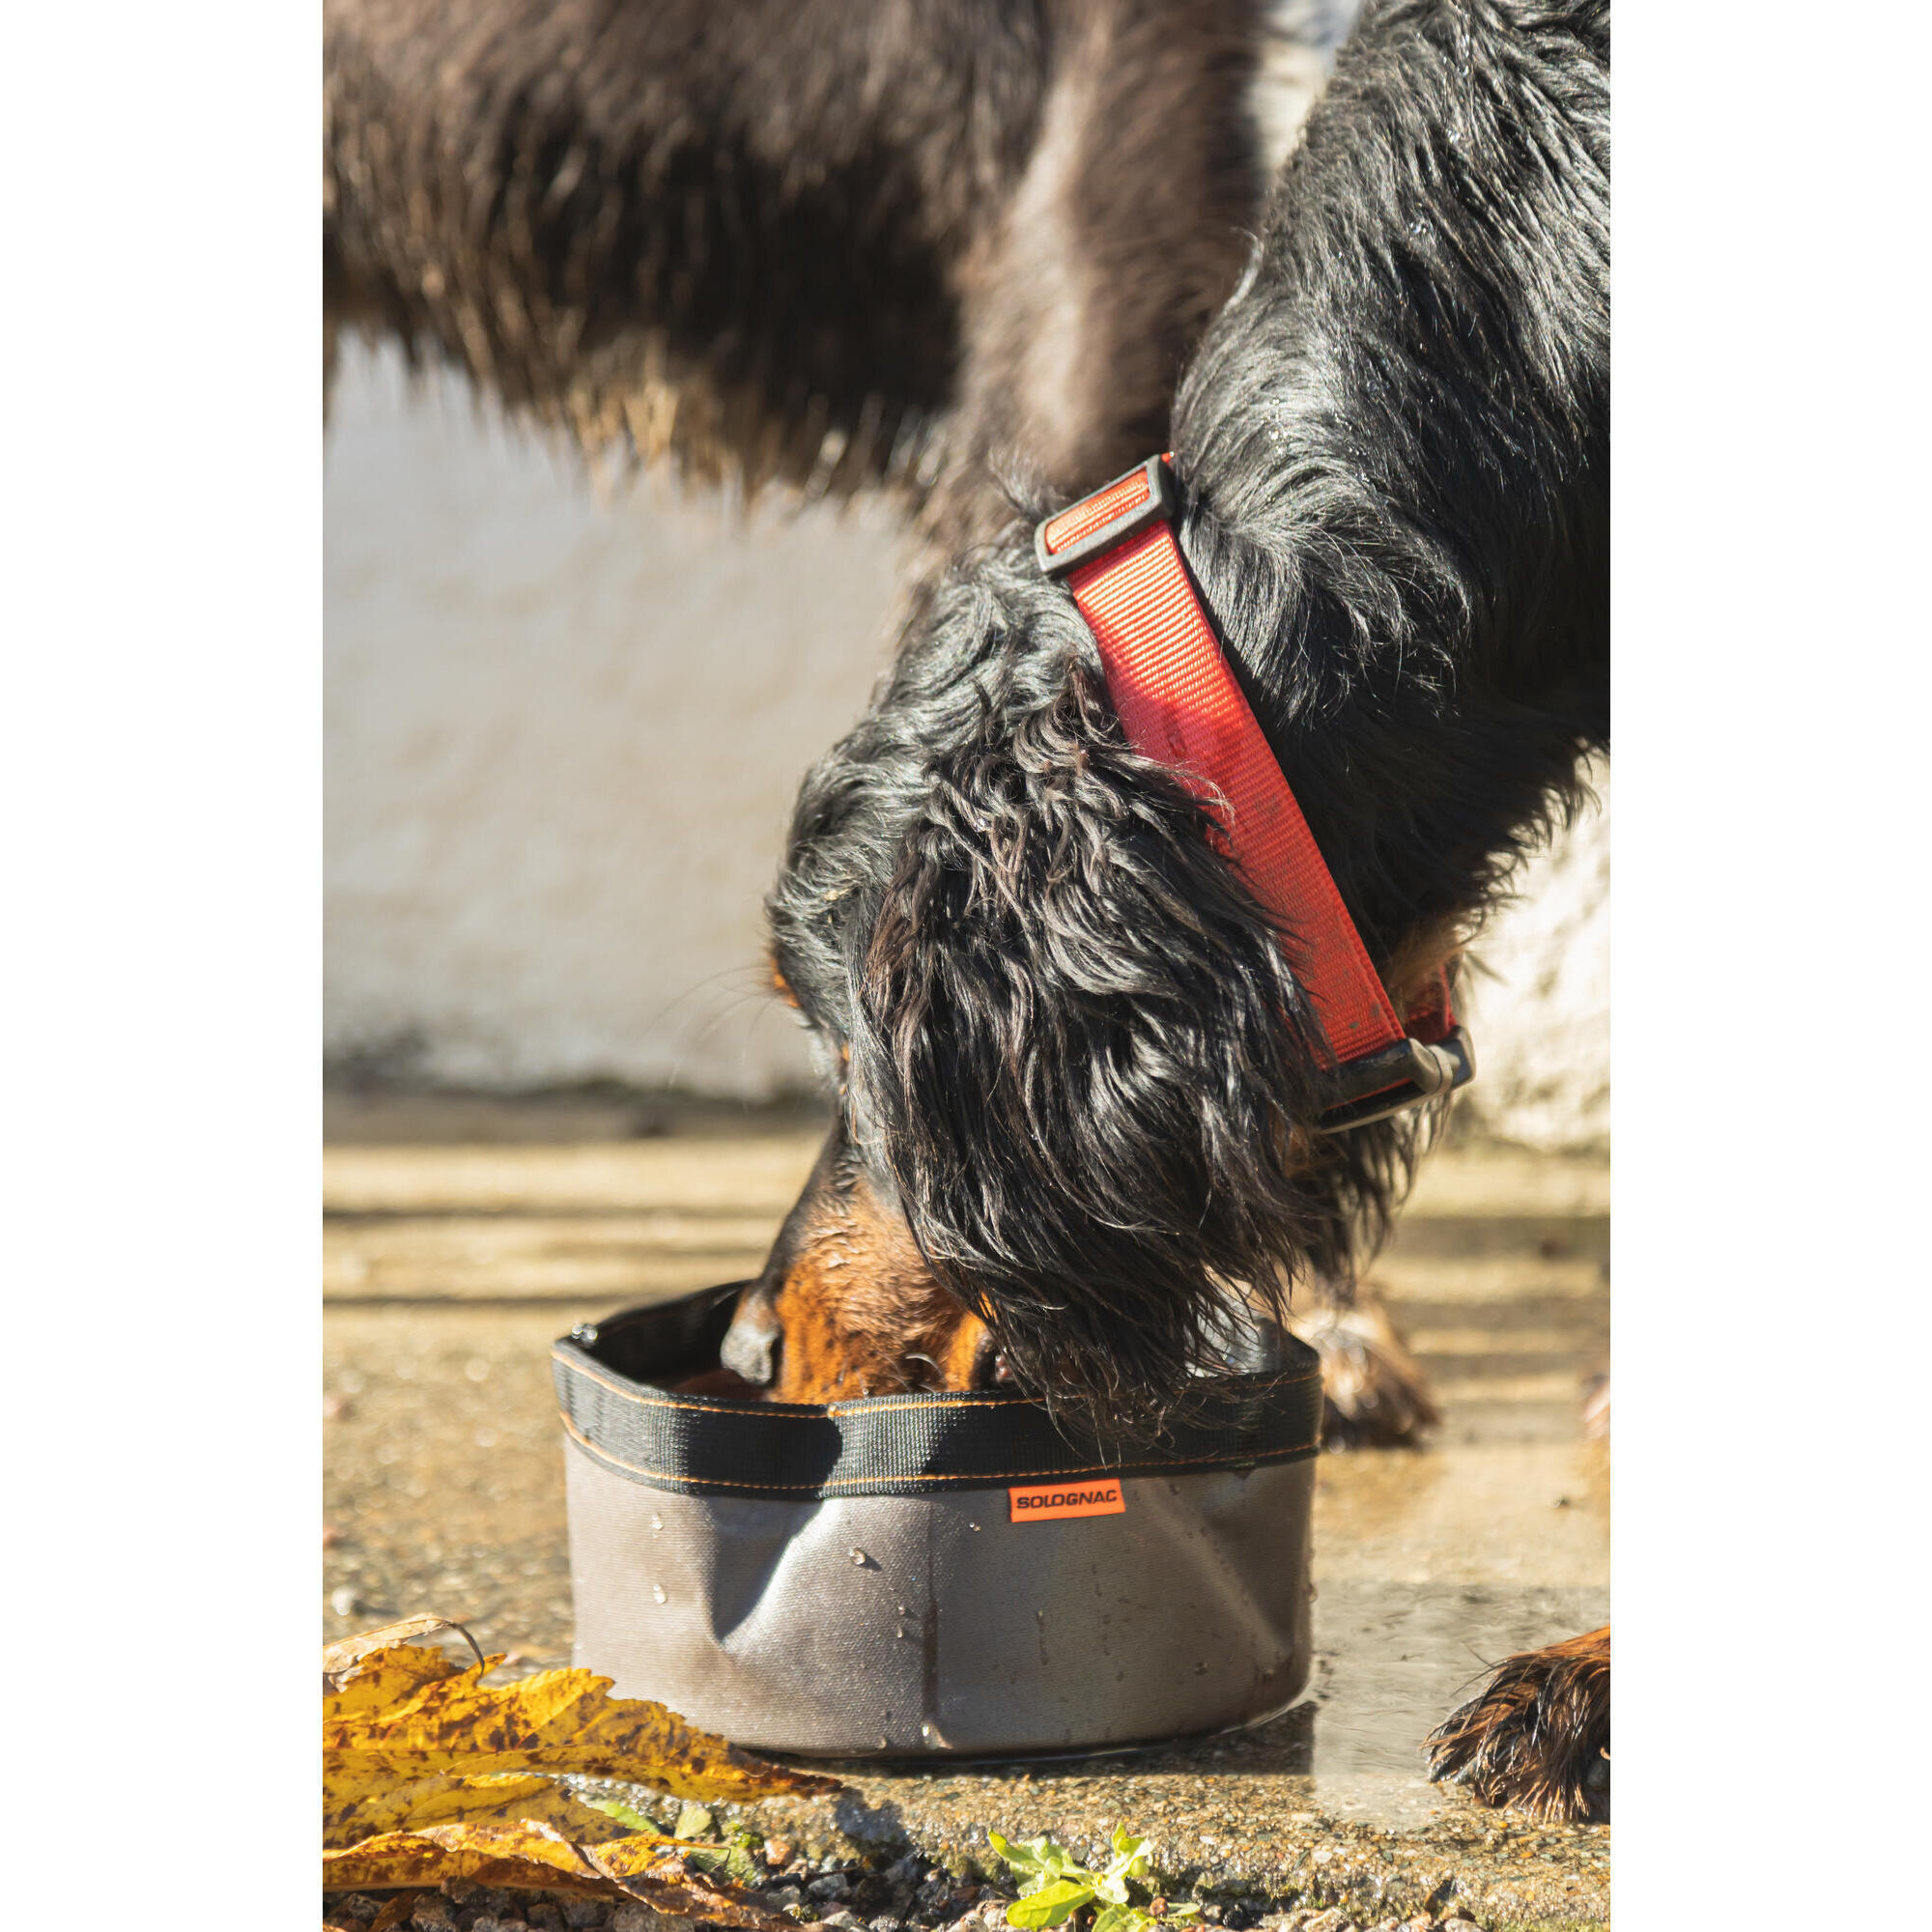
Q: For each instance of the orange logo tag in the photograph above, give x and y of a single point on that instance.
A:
(1043, 1501)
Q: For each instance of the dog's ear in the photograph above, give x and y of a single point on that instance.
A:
(1078, 1051)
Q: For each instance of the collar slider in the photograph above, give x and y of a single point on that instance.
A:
(1147, 494)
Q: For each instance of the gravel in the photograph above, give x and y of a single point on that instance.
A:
(921, 1899)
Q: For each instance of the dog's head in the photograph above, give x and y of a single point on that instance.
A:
(1076, 1077)
(1074, 1072)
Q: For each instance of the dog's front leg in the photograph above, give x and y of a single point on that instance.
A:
(1537, 1737)
(1373, 1394)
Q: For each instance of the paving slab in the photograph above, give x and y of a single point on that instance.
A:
(451, 1267)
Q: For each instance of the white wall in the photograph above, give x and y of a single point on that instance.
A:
(1540, 1012)
(563, 739)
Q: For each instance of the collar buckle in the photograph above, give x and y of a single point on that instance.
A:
(1397, 1078)
(1147, 494)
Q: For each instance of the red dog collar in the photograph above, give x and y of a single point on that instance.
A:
(1178, 702)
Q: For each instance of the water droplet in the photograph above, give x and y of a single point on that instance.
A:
(926, 1731)
(972, 1525)
(885, 1742)
(860, 1557)
(902, 1610)
(899, 1630)
(657, 1523)
(658, 1591)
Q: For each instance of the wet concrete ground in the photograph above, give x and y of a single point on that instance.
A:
(463, 1237)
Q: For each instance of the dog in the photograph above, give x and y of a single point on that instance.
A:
(828, 244)
(809, 249)
(1079, 1086)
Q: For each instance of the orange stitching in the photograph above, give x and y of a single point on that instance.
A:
(868, 1405)
(886, 1406)
(778, 1411)
(652, 1399)
(840, 1481)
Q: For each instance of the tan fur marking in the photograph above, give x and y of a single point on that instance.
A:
(862, 1315)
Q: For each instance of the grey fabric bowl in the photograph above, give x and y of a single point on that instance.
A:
(930, 1573)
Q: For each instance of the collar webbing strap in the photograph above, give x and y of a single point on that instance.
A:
(1178, 703)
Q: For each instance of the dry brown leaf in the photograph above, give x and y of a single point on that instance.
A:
(645, 1866)
(396, 1912)
(501, 1798)
(340, 1658)
(556, 1721)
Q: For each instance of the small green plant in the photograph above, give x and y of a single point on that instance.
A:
(615, 1808)
(732, 1858)
(1052, 1887)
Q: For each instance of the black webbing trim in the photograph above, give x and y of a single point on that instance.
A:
(906, 1445)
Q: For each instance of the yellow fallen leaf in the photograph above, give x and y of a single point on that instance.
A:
(382, 1680)
(555, 1720)
(496, 1799)
(428, 1776)
(645, 1866)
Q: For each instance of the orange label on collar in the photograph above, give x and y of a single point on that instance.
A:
(1043, 1501)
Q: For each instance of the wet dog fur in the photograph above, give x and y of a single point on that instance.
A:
(1075, 1072)
(1537, 1736)
(821, 243)
(1068, 1046)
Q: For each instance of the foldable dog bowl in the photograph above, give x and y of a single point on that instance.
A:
(927, 1573)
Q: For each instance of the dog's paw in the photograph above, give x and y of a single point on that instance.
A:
(1537, 1738)
(1373, 1393)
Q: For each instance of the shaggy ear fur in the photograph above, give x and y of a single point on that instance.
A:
(1077, 1049)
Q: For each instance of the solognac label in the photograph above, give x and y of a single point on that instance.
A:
(1042, 1503)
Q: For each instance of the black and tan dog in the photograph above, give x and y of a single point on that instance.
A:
(1078, 1082)
(823, 246)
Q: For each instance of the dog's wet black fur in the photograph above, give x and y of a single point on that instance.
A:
(822, 242)
(1068, 1046)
